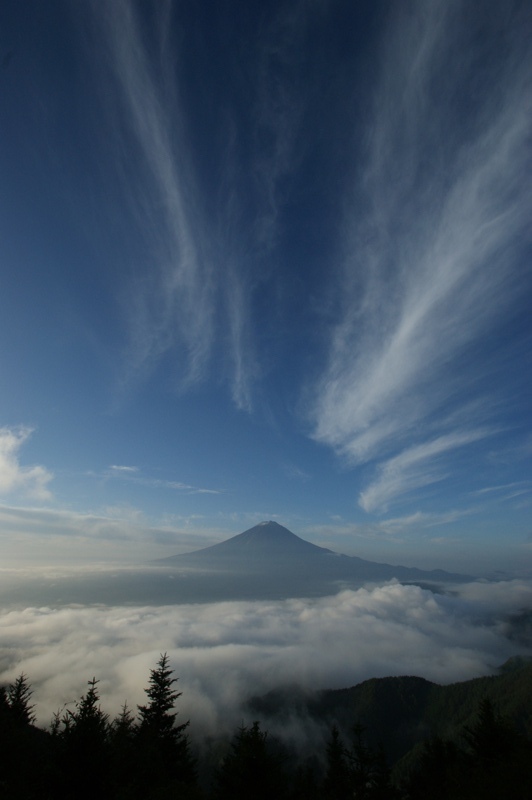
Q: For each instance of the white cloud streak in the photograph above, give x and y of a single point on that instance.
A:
(194, 299)
(422, 519)
(280, 108)
(433, 239)
(189, 287)
(295, 473)
(175, 302)
(224, 653)
(31, 482)
(132, 475)
(412, 469)
(123, 535)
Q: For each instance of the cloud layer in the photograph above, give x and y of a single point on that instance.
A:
(413, 468)
(434, 234)
(15, 479)
(226, 652)
(115, 534)
(433, 206)
(190, 292)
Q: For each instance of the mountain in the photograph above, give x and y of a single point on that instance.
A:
(271, 550)
(400, 712)
(267, 539)
(266, 562)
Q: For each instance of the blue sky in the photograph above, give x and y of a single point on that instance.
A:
(266, 261)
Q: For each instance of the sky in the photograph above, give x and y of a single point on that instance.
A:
(263, 261)
(266, 261)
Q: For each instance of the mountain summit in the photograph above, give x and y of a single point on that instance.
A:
(272, 552)
(267, 539)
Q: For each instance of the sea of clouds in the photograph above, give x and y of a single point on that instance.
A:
(225, 652)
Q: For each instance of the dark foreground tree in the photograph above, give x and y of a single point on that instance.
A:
(18, 698)
(83, 751)
(336, 785)
(122, 740)
(438, 771)
(494, 764)
(164, 762)
(358, 771)
(498, 762)
(306, 782)
(252, 768)
(369, 773)
(24, 749)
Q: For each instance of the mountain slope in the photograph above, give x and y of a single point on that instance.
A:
(400, 712)
(272, 550)
(265, 539)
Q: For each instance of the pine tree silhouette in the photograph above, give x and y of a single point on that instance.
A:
(162, 747)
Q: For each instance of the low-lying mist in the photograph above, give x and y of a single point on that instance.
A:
(225, 652)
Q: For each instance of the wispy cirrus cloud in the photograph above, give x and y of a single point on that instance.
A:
(295, 473)
(173, 304)
(193, 295)
(209, 244)
(118, 534)
(279, 108)
(505, 487)
(423, 519)
(262, 148)
(505, 492)
(434, 240)
(134, 475)
(414, 467)
(32, 482)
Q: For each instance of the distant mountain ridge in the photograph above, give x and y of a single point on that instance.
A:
(266, 562)
(270, 548)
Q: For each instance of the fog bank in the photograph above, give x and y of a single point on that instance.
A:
(225, 652)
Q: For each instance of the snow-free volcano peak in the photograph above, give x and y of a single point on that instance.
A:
(282, 563)
(266, 540)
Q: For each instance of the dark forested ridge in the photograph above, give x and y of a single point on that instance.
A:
(398, 712)
(399, 738)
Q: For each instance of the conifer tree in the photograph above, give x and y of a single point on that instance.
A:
(356, 771)
(156, 718)
(491, 737)
(24, 750)
(437, 771)
(122, 737)
(368, 772)
(18, 699)
(87, 721)
(123, 727)
(162, 747)
(83, 752)
(252, 768)
(336, 785)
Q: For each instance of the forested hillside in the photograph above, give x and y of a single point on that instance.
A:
(389, 739)
(399, 712)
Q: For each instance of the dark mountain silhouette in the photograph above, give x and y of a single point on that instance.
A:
(266, 562)
(400, 712)
(269, 561)
(272, 550)
(267, 539)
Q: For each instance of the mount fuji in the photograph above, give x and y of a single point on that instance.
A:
(272, 555)
(266, 562)
(265, 540)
